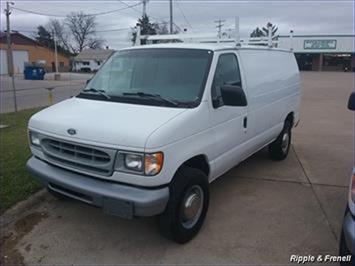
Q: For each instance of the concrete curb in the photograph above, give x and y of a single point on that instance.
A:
(22, 207)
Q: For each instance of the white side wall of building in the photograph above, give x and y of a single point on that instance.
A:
(19, 57)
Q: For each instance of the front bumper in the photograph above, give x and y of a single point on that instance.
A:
(116, 199)
(349, 232)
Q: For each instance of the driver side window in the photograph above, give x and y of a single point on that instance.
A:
(227, 73)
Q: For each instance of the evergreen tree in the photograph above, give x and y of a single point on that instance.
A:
(264, 31)
(257, 33)
(147, 28)
(44, 37)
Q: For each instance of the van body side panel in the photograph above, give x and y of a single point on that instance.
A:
(272, 80)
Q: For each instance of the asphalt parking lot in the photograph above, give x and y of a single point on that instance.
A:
(261, 212)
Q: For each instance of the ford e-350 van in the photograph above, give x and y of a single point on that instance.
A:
(157, 124)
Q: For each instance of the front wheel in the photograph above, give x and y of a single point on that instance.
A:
(344, 251)
(187, 206)
(279, 149)
(343, 247)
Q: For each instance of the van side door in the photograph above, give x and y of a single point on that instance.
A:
(229, 122)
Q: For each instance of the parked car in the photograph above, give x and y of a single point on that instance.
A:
(347, 238)
(158, 123)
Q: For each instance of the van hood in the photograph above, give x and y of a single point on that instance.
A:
(112, 123)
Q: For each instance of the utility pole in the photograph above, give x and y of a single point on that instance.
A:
(171, 17)
(237, 33)
(145, 7)
(219, 27)
(56, 75)
(10, 61)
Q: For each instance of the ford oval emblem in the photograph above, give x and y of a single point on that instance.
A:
(71, 131)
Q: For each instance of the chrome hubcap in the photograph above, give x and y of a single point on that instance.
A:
(285, 142)
(192, 206)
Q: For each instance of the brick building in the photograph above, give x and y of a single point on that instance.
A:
(26, 49)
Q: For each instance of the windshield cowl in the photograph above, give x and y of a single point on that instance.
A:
(136, 100)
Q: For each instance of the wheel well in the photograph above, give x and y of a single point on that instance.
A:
(290, 118)
(199, 162)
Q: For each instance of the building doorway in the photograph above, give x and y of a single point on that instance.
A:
(304, 61)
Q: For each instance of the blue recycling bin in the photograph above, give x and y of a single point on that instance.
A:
(34, 72)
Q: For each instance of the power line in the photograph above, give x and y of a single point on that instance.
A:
(156, 18)
(63, 16)
(127, 6)
(38, 13)
(35, 30)
(131, 7)
(182, 12)
(121, 29)
(115, 10)
(139, 12)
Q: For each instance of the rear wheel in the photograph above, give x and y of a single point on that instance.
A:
(187, 206)
(279, 149)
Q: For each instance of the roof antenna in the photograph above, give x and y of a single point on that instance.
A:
(237, 34)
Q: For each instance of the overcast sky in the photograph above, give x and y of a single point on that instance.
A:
(304, 17)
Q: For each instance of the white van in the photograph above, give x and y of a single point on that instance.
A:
(158, 123)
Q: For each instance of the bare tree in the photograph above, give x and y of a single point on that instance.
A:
(82, 28)
(96, 43)
(57, 28)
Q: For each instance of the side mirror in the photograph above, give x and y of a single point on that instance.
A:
(351, 102)
(233, 96)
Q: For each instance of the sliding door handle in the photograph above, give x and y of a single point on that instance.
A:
(245, 122)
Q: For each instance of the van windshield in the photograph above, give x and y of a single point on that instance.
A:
(162, 77)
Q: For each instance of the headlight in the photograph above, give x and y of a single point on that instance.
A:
(145, 164)
(34, 139)
(133, 162)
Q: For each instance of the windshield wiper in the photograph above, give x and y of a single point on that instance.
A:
(152, 96)
(101, 92)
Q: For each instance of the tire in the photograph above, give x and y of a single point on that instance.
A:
(279, 149)
(344, 251)
(57, 195)
(343, 248)
(177, 223)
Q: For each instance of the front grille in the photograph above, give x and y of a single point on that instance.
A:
(85, 158)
